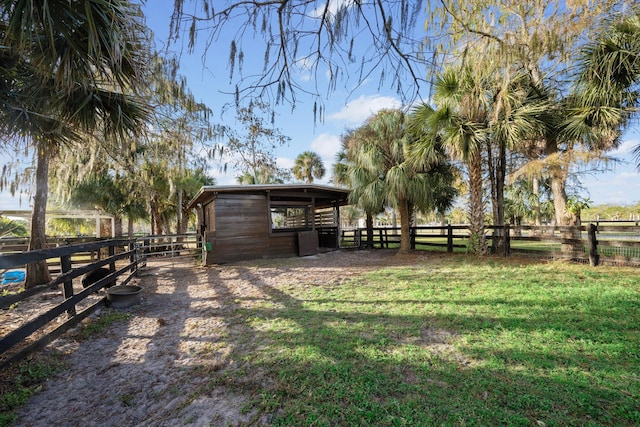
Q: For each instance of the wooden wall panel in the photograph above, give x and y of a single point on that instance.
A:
(307, 243)
(242, 228)
(283, 245)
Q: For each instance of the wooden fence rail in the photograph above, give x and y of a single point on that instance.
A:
(67, 262)
(126, 258)
(594, 243)
(173, 246)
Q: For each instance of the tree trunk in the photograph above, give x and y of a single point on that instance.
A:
(152, 218)
(499, 238)
(369, 224)
(180, 228)
(38, 272)
(184, 222)
(559, 197)
(536, 207)
(558, 176)
(563, 216)
(156, 221)
(129, 227)
(117, 225)
(405, 225)
(478, 242)
(492, 182)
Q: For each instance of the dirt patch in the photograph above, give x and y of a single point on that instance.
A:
(156, 368)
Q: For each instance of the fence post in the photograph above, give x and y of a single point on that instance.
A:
(133, 259)
(594, 258)
(112, 264)
(67, 287)
(449, 238)
(412, 233)
(381, 238)
(507, 240)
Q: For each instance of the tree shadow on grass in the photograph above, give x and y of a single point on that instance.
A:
(325, 362)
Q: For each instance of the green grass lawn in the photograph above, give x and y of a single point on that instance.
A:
(451, 340)
(455, 340)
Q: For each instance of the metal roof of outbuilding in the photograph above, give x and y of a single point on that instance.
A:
(208, 192)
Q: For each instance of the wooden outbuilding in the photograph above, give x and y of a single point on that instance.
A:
(240, 222)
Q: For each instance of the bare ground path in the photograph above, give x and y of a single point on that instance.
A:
(158, 368)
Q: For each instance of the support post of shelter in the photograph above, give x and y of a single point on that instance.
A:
(336, 209)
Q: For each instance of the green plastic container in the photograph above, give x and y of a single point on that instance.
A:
(208, 246)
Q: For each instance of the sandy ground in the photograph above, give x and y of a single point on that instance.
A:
(151, 369)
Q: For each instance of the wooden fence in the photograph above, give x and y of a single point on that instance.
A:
(595, 243)
(122, 261)
(67, 262)
(168, 246)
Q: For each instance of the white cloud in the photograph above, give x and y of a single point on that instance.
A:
(358, 110)
(334, 5)
(285, 162)
(222, 177)
(622, 188)
(326, 145)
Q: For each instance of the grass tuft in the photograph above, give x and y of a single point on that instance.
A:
(18, 383)
(97, 325)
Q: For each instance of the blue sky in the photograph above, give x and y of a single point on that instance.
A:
(208, 78)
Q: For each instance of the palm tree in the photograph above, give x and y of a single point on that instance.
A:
(68, 69)
(516, 117)
(340, 172)
(101, 190)
(263, 175)
(524, 201)
(10, 228)
(342, 176)
(460, 124)
(381, 173)
(606, 93)
(308, 166)
(364, 183)
(602, 103)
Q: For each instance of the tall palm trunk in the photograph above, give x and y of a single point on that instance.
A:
(564, 218)
(369, 224)
(558, 178)
(499, 238)
(38, 272)
(536, 207)
(477, 238)
(405, 226)
(183, 220)
(117, 224)
(129, 227)
(559, 195)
